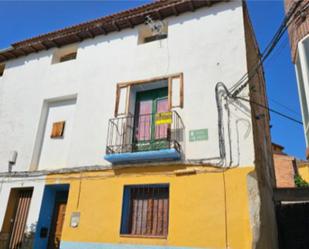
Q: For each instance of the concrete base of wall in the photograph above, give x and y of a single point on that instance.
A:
(77, 245)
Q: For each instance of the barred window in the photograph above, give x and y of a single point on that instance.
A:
(145, 210)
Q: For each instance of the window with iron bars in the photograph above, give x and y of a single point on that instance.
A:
(145, 210)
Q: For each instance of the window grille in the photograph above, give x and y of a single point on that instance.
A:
(145, 210)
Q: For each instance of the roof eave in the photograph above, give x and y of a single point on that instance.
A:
(113, 23)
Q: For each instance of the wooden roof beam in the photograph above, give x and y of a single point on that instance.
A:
(44, 45)
(130, 23)
(176, 13)
(191, 5)
(159, 14)
(100, 27)
(3, 56)
(78, 37)
(22, 51)
(33, 48)
(25, 51)
(11, 53)
(116, 26)
(208, 3)
(89, 32)
(54, 43)
(16, 55)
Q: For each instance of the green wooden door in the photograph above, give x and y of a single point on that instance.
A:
(148, 135)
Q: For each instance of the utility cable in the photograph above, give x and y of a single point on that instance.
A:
(271, 110)
(289, 109)
(269, 48)
(244, 80)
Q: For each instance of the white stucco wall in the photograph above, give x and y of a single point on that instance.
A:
(54, 151)
(302, 73)
(206, 45)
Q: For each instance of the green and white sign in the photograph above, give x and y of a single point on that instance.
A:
(198, 135)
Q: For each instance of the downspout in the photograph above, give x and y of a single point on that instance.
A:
(222, 148)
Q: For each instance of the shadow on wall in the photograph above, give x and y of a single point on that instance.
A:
(254, 206)
(26, 243)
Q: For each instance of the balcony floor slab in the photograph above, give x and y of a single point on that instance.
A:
(141, 156)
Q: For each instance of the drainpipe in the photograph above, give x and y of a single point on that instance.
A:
(222, 148)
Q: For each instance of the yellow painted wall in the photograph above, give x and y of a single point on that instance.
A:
(303, 170)
(198, 210)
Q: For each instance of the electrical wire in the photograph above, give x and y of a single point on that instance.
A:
(271, 110)
(245, 79)
(281, 47)
(266, 53)
(291, 110)
(70, 176)
(234, 91)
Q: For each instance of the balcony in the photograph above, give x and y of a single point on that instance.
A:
(145, 138)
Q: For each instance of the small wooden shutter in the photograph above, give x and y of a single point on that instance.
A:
(122, 100)
(57, 129)
(176, 91)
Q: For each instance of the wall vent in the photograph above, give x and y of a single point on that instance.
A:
(64, 54)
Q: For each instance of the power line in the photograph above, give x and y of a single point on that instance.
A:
(284, 106)
(280, 49)
(244, 80)
(270, 109)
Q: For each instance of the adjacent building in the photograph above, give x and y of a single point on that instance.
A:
(290, 172)
(292, 199)
(121, 133)
(298, 33)
(285, 167)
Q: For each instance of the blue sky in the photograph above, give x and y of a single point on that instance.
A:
(24, 19)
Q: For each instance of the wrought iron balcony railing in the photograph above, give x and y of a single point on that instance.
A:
(145, 133)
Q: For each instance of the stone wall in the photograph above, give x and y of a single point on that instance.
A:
(299, 27)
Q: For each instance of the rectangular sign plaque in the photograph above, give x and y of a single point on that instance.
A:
(198, 135)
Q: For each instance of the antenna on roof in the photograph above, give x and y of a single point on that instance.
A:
(155, 26)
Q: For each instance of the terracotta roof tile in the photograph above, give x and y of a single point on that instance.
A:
(101, 26)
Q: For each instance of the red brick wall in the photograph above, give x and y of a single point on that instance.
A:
(299, 27)
(284, 169)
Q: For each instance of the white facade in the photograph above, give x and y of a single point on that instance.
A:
(302, 73)
(54, 152)
(207, 46)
